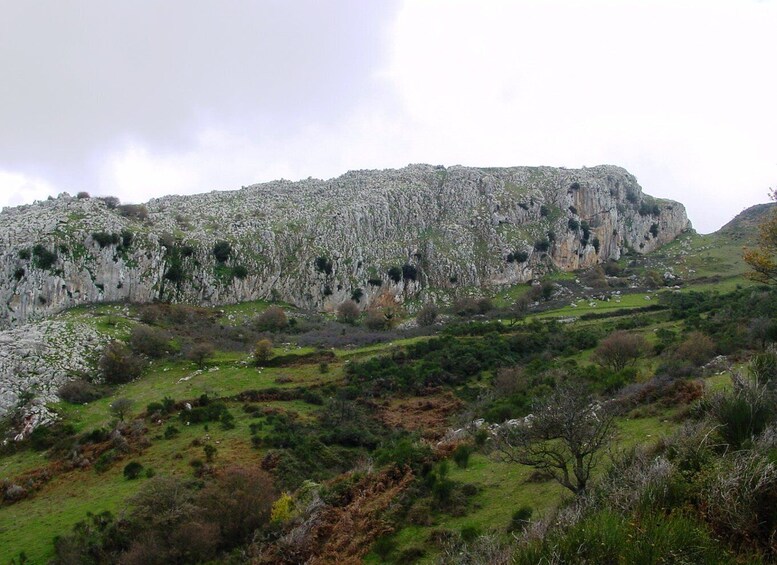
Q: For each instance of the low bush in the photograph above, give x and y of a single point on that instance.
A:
(79, 391)
(132, 470)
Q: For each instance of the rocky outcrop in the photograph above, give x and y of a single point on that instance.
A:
(36, 359)
(314, 243)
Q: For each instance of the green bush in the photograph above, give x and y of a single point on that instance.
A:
(520, 519)
(607, 537)
(132, 470)
(324, 265)
(44, 259)
(461, 456)
(222, 250)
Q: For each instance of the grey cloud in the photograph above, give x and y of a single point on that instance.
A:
(79, 77)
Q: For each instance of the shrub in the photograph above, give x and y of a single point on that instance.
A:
(741, 501)
(357, 294)
(324, 265)
(238, 503)
(620, 349)
(348, 312)
(262, 351)
(384, 547)
(427, 315)
(573, 224)
(696, 348)
(239, 272)
(127, 237)
(78, 391)
(44, 258)
(409, 272)
(745, 413)
(171, 432)
(544, 211)
(395, 274)
(272, 320)
(542, 245)
(521, 256)
(119, 365)
(520, 519)
(82, 195)
(222, 250)
(312, 397)
(210, 452)
(132, 470)
(375, 282)
(111, 202)
(134, 211)
(104, 239)
(461, 456)
(149, 341)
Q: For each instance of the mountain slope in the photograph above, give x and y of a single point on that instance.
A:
(315, 243)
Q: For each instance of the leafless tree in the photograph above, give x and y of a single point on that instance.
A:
(620, 349)
(120, 407)
(564, 436)
(348, 312)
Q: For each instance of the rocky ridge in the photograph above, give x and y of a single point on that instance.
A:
(315, 243)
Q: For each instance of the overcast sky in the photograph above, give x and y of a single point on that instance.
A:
(143, 98)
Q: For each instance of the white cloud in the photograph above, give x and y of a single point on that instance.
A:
(17, 188)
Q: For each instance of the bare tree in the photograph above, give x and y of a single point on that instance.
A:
(200, 353)
(348, 312)
(620, 349)
(427, 316)
(120, 407)
(518, 309)
(564, 436)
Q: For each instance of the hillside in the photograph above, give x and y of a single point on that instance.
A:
(418, 232)
(382, 434)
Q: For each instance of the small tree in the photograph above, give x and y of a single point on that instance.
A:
(120, 408)
(262, 351)
(518, 310)
(620, 349)
(200, 353)
(563, 437)
(763, 259)
(348, 312)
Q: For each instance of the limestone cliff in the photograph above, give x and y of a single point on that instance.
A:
(314, 242)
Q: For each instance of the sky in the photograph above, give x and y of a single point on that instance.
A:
(142, 98)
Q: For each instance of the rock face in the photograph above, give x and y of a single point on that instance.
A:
(314, 243)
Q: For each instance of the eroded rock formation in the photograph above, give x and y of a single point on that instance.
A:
(314, 242)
